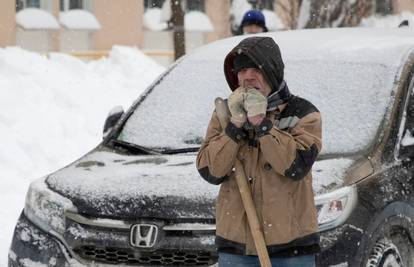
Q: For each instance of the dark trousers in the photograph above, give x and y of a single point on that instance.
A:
(234, 260)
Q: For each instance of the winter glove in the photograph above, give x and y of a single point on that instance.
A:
(263, 128)
(235, 133)
(255, 103)
(235, 103)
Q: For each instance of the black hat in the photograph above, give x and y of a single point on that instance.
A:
(242, 61)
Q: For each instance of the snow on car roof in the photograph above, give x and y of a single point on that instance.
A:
(349, 74)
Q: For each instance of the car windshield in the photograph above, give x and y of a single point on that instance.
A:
(175, 114)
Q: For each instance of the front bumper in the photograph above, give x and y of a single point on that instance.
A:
(91, 246)
(31, 247)
(339, 246)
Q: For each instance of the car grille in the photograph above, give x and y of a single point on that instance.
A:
(131, 257)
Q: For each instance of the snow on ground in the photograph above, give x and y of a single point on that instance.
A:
(390, 21)
(52, 111)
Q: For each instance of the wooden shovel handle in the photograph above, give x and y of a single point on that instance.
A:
(246, 194)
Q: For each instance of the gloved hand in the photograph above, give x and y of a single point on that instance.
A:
(255, 103)
(235, 103)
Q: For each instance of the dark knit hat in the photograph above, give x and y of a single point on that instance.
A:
(242, 61)
(256, 17)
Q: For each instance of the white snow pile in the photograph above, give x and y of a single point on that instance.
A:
(152, 20)
(52, 110)
(390, 21)
(197, 21)
(36, 19)
(77, 19)
(273, 22)
(194, 21)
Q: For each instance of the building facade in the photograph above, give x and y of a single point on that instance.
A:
(94, 25)
(61, 26)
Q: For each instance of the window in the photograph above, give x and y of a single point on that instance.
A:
(66, 5)
(194, 5)
(190, 5)
(383, 7)
(153, 3)
(266, 4)
(20, 4)
(33, 3)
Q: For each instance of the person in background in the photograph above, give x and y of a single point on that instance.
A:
(253, 22)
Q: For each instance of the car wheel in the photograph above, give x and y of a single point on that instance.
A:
(384, 254)
(395, 250)
(389, 239)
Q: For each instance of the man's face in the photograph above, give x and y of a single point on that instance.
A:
(252, 77)
(252, 28)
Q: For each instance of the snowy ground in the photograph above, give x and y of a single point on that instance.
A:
(52, 111)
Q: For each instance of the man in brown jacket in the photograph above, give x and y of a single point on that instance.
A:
(277, 137)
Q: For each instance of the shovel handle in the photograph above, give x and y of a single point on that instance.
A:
(246, 194)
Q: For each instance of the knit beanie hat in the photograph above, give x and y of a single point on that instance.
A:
(256, 17)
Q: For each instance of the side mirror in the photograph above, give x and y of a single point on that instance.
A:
(113, 116)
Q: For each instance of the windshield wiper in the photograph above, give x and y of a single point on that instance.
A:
(136, 148)
(179, 150)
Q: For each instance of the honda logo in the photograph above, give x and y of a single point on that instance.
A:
(143, 235)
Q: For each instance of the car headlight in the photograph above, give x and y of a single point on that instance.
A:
(46, 208)
(335, 207)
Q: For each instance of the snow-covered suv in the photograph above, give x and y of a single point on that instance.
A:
(137, 199)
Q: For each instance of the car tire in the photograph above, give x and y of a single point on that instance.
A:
(389, 239)
(384, 254)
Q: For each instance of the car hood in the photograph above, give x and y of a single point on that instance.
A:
(108, 184)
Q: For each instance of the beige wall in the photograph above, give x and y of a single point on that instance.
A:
(402, 5)
(121, 22)
(35, 40)
(55, 35)
(218, 12)
(7, 22)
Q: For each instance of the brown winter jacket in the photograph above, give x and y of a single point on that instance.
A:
(278, 166)
(280, 178)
